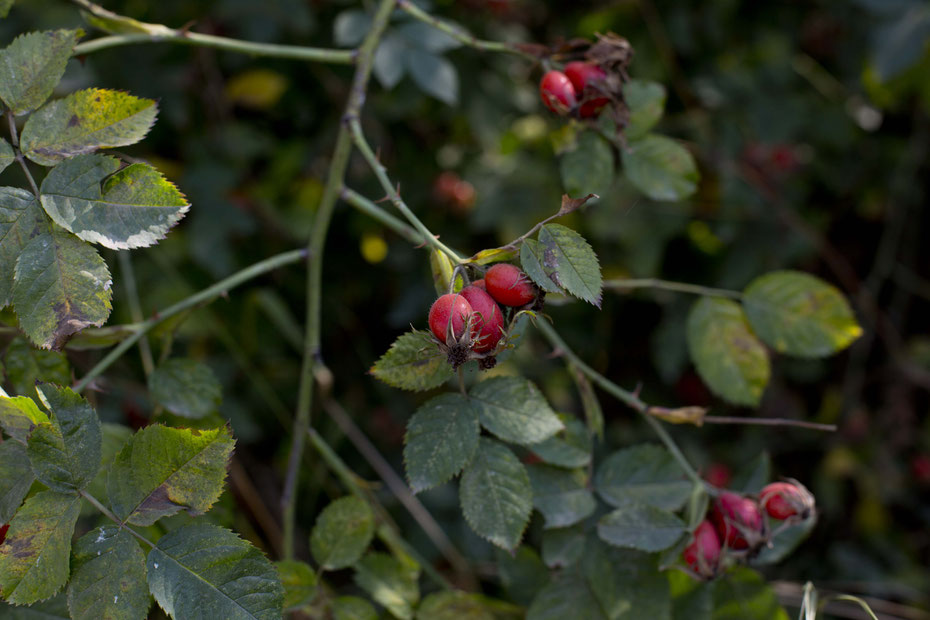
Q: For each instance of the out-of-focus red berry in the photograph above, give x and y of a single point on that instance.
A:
(557, 92)
(703, 554)
(738, 520)
(784, 499)
(718, 475)
(581, 74)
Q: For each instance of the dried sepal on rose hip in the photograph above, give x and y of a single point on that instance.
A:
(702, 555)
(509, 286)
(738, 521)
(784, 500)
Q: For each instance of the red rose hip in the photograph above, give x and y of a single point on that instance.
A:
(449, 314)
(784, 499)
(509, 286)
(557, 92)
(738, 520)
(581, 74)
(703, 553)
(486, 315)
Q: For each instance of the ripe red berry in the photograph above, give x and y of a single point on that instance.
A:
(784, 499)
(449, 311)
(581, 74)
(509, 286)
(718, 475)
(557, 92)
(738, 520)
(487, 316)
(479, 284)
(703, 553)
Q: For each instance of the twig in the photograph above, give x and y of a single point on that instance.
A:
(372, 210)
(331, 192)
(716, 419)
(205, 295)
(14, 140)
(680, 287)
(112, 517)
(135, 310)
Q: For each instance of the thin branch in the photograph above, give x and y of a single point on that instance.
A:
(157, 33)
(112, 517)
(716, 419)
(372, 210)
(666, 285)
(461, 36)
(315, 246)
(203, 296)
(14, 140)
(135, 310)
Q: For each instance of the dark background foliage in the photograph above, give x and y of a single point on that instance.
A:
(809, 122)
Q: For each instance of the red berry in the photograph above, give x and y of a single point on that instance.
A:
(582, 74)
(509, 286)
(479, 284)
(718, 475)
(784, 499)
(557, 92)
(449, 310)
(703, 553)
(3, 529)
(487, 316)
(738, 520)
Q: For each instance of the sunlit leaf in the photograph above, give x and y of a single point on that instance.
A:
(19, 415)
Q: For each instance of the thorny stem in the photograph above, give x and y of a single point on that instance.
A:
(666, 285)
(365, 149)
(156, 33)
(513, 244)
(109, 515)
(14, 140)
(135, 310)
(331, 192)
(205, 295)
(459, 35)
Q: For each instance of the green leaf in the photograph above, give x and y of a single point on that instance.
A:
(60, 286)
(7, 156)
(350, 27)
(353, 608)
(19, 415)
(186, 388)
(85, 121)
(627, 583)
(441, 438)
(563, 258)
(162, 470)
(5, 6)
(660, 168)
(566, 596)
(644, 473)
(691, 599)
(342, 533)
(55, 608)
(434, 75)
(522, 573)
(388, 65)
(453, 605)
(414, 362)
(496, 495)
(21, 219)
(729, 358)
(108, 577)
(563, 546)
(299, 581)
(32, 65)
(65, 453)
(589, 168)
(205, 571)
(26, 366)
(742, 593)
(798, 314)
(646, 101)
(120, 209)
(34, 558)
(640, 526)
(15, 480)
(513, 409)
(389, 582)
(560, 495)
(570, 447)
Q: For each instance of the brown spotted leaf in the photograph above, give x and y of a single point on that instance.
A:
(161, 470)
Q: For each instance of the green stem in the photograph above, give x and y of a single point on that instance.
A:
(135, 310)
(365, 149)
(112, 517)
(18, 154)
(207, 294)
(372, 210)
(351, 481)
(678, 287)
(459, 35)
(331, 192)
(628, 398)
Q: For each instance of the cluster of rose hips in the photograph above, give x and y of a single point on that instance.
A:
(737, 524)
(470, 324)
(578, 90)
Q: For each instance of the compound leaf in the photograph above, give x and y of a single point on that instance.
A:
(205, 572)
(441, 439)
(161, 470)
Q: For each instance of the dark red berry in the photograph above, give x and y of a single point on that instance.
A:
(449, 312)
(509, 286)
(738, 520)
(784, 499)
(718, 475)
(3, 529)
(487, 316)
(581, 75)
(703, 553)
(557, 92)
(479, 284)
